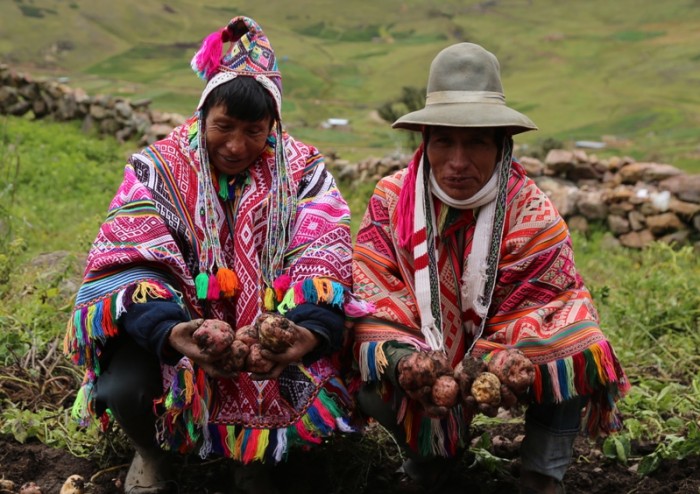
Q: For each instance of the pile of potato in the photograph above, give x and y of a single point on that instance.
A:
(241, 349)
(428, 378)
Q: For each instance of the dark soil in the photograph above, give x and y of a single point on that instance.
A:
(353, 464)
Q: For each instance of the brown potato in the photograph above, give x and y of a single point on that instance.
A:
(248, 335)
(276, 332)
(256, 363)
(442, 364)
(214, 336)
(514, 370)
(416, 371)
(236, 358)
(445, 391)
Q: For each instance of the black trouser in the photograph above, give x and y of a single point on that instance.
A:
(129, 383)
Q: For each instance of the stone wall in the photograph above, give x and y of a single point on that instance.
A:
(638, 202)
(21, 94)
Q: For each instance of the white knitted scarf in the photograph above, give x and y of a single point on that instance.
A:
(475, 277)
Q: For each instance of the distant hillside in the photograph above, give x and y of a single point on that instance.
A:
(626, 71)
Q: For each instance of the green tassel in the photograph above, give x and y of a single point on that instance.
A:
(201, 283)
(223, 186)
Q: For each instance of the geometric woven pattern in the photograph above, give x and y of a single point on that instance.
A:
(151, 223)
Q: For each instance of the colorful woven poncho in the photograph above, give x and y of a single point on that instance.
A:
(539, 306)
(149, 247)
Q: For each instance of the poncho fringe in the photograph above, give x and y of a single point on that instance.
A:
(593, 373)
(186, 401)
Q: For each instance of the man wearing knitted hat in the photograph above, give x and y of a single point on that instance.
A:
(224, 219)
(478, 303)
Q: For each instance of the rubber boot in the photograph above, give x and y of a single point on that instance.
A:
(149, 474)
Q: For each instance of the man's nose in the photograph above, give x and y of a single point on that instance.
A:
(458, 157)
(234, 143)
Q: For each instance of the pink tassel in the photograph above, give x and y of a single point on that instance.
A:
(213, 290)
(358, 308)
(299, 294)
(206, 61)
(407, 198)
(282, 282)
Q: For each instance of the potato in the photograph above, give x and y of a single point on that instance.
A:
(214, 337)
(416, 371)
(514, 370)
(276, 332)
(465, 373)
(236, 358)
(255, 362)
(248, 335)
(445, 391)
(442, 364)
(486, 389)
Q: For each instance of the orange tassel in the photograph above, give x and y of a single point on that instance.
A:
(228, 282)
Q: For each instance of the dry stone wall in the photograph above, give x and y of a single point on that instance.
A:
(21, 94)
(638, 202)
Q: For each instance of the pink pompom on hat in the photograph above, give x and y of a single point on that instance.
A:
(249, 54)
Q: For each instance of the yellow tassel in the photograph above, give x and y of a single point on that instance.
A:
(263, 441)
(228, 282)
(380, 360)
(269, 299)
(144, 290)
(323, 289)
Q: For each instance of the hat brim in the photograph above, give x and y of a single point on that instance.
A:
(466, 115)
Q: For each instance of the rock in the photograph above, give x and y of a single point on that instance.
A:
(591, 204)
(637, 220)
(685, 187)
(686, 210)
(578, 223)
(647, 172)
(562, 193)
(559, 161)
(663, 223)
(637, 240)
(533, 166)
(618, 225)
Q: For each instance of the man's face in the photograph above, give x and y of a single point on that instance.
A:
(232, 144)
(462, 159)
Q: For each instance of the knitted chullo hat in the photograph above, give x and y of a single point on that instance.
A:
(249, 54)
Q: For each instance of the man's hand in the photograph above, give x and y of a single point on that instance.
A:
(182, 341)
(305, 342)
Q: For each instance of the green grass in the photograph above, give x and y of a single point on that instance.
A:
(580, 70)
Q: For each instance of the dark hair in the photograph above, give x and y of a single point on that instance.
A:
(245, 99)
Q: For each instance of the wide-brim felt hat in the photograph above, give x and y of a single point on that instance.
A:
(465, 90)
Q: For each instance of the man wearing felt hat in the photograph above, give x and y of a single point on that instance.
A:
(463, 255)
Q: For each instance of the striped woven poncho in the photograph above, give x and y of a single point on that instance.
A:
(149, 247)
(539, 306)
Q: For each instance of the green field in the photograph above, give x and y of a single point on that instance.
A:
(624, 71)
